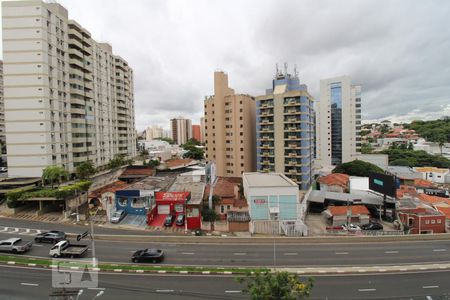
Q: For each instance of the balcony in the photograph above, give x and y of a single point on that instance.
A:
(292, 163)
(292, 120)
(266, 170)
(266, 138)
(266, 129)
(76, 62)
(266, 162)
(266, 146)
(293, 137)
(291, 111)
(76, 52)
(266, 154)
(292, 146)
(292, 103)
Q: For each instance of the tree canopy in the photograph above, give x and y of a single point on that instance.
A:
(437, 131)
(357, 168)
(85, 169)
(275, 286)
(53, 174)
(193, 151)
(412, 158)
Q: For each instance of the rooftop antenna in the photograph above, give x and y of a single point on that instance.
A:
(276, 67)
(295, 70)
(285, 68)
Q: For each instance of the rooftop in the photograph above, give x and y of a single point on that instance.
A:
(189, 184)
(445, 211)
(224, 187)
(152, 183)
(267, 180)
(335, 179)
(342, 210)
(431, 169)
(433, 199)
(112, 188)
(403, 172)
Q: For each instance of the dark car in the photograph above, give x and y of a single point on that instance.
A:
(169, 220)
(372, 226)
(180, 220)
(52, 237)
(148, 255)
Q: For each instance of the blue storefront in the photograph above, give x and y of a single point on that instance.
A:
(134, 202)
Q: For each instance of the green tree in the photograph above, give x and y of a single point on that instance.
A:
(193, 151)
(53, 174)
(402, 162)
(366, 148)
(276, 286)
(117, 161)
(209, 215)
(417, 158)
(410, 146)
(85, 169)
(357, 168)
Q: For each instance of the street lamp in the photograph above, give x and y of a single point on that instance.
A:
(79, 294)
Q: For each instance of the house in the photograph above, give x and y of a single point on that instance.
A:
(273, 201)
(177, 164)
(227, 190)
(103, 199)
(135, 173)
(446, 212)
(436, 175)
(434, 200)
(337, 215)
(422, 220)
(335, 182)
(405, 175)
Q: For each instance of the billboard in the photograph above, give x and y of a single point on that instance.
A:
(382, 183)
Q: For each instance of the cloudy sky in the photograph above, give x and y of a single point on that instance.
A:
(398, 50)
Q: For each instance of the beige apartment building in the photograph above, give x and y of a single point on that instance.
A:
(2, 107)
(154, 132)
(68, 98)
(181, 129)
(230, 129)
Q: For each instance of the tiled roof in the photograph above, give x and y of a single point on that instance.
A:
(137, 171)
(423, 183)
(433, 199)
(224, 187)
(176, 163)
(445, 211)
(335, 179)
(112, 187)
(342, 210)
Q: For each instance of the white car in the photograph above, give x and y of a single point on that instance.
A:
(352, 227)
(118, 216)
(3, 169)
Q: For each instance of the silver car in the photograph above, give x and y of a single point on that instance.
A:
(118, 216)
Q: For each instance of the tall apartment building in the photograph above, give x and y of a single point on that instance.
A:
(2, 108)
(196, 132)
(338, 121)
(154, 132)
(230, 129)
(202, 129)
(68, 99)
(181, 129)
(285, 129)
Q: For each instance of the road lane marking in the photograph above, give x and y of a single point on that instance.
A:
(291, 253)
(341, 253)
(164, 291)
(187, 253)
(240, 253)
(430, 287)
(439, 250)
(38, 245)
(29, 284)
(367, 290)
(232, 292)
(5, 229)
(391, 252)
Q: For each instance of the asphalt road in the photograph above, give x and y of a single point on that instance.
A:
(18, 284)
(286, 255)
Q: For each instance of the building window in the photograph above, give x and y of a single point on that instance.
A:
(427, 221)
(222, 209)
(439, 221)
(433, 221)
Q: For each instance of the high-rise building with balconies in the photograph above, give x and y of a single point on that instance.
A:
(230, 129)
(285, 129)
(338, 121)
(68, 98)
(2, 108)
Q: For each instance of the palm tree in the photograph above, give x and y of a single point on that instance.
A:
(54, 173)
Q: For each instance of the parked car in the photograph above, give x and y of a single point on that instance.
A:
(180, 220)
(15, 245)
(118, 216)
(3, 169)
(372, 226)
(148, 255)
(66, 249)
(352, 227)
(338, 227)
(169, 220)
(52, 237)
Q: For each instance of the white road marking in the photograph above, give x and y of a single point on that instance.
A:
(367, 290)
(29, 284)
(391, 252)
(341, 253)
(291, 253)
(430, 287)
(38, 245)
(5, 229)
(240, 253)
(164, 291)
(187, 253)
(232, 292)
(439, 250)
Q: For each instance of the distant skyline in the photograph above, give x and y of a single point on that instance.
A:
(398, 50)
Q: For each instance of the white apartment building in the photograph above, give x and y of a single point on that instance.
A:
(181, 129)
(338, 121)
(2, 107)
(154, 132)
(68, 99)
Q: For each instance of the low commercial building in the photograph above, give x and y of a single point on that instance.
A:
(433, 174)
(273, 201)
(337, 215)
(335, 182)
(422, 220)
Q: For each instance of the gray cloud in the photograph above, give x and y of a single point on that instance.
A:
(398, 50)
